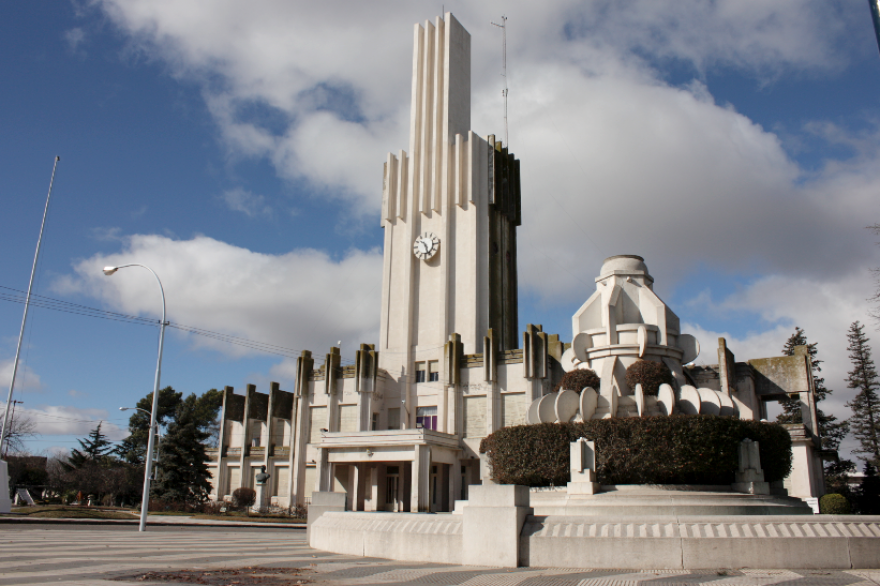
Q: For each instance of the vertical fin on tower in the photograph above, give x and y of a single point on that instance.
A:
(402, 183)
(389, 201)
(426, 107)
(440, 110)
(439, 139)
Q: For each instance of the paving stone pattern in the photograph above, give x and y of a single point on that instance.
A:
(87, 556)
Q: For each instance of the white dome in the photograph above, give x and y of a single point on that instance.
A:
(624, 264)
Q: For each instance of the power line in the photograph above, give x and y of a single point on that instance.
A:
(17, 296)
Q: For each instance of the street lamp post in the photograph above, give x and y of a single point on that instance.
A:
(145, 501)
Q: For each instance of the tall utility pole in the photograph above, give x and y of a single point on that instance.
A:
(875, 16)
(27, 304)
(503, 27)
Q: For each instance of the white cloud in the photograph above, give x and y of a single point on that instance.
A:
(25, 379)
(242, 200)
(74, 38)
(300, 300)
(67, 420)
(332, 84)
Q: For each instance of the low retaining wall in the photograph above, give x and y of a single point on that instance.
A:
(496, 529)
(695, 543)
(398, 536)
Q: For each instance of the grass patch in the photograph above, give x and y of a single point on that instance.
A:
(250, 519)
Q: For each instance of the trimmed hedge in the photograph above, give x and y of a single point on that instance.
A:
(679, 449)
(243, 497)
(649, 374)
(579, 379)
(834, 504)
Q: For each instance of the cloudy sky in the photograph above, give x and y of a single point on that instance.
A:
(237, 149)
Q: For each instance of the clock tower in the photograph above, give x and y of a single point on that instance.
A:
(450, 210)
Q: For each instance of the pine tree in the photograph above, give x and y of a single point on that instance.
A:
(830, 429)
(182, 471)
(865, 421)
(96, 449)
(133, 449)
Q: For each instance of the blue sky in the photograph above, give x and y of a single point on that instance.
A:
(237, 150)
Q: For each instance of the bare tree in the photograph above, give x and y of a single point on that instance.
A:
(20, 429)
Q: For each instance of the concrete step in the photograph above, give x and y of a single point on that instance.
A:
(641, 500)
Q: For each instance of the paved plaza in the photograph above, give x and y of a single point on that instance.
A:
(110, 555)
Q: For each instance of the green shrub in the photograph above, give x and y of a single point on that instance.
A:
(649, 374)
(834, 504)
(680, 449)
(579, 379)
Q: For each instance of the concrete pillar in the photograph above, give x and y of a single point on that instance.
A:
(806, 480)
(443, 409)
(323, 502)
(220, 479)
(300, 432)
(264, 493)
(371, 488)
(420, 492)
(486, 470)
(454, 484)
(291, 456)
(493, 404)
(244, 460)
(323, 471)
(493, 519)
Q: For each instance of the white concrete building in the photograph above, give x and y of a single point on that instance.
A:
(400, 429)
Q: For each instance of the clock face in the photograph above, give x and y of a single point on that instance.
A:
(426, 246)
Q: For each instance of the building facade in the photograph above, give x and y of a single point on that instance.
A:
(400, 429)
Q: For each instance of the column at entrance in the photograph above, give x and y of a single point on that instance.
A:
(323, 470)
(420, 491)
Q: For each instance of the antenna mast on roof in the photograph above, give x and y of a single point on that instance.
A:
(503, 27)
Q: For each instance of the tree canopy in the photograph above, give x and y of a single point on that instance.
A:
(205, 413)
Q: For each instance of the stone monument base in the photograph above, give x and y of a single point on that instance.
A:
(5, 503)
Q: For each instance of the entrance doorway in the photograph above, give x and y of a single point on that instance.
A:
(392, 489)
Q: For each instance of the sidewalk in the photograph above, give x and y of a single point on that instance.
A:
(160, 520)
(101, 556)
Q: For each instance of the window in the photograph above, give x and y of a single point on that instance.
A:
(420, 372)
(426, 417)
(433, 371)
(374, 422)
